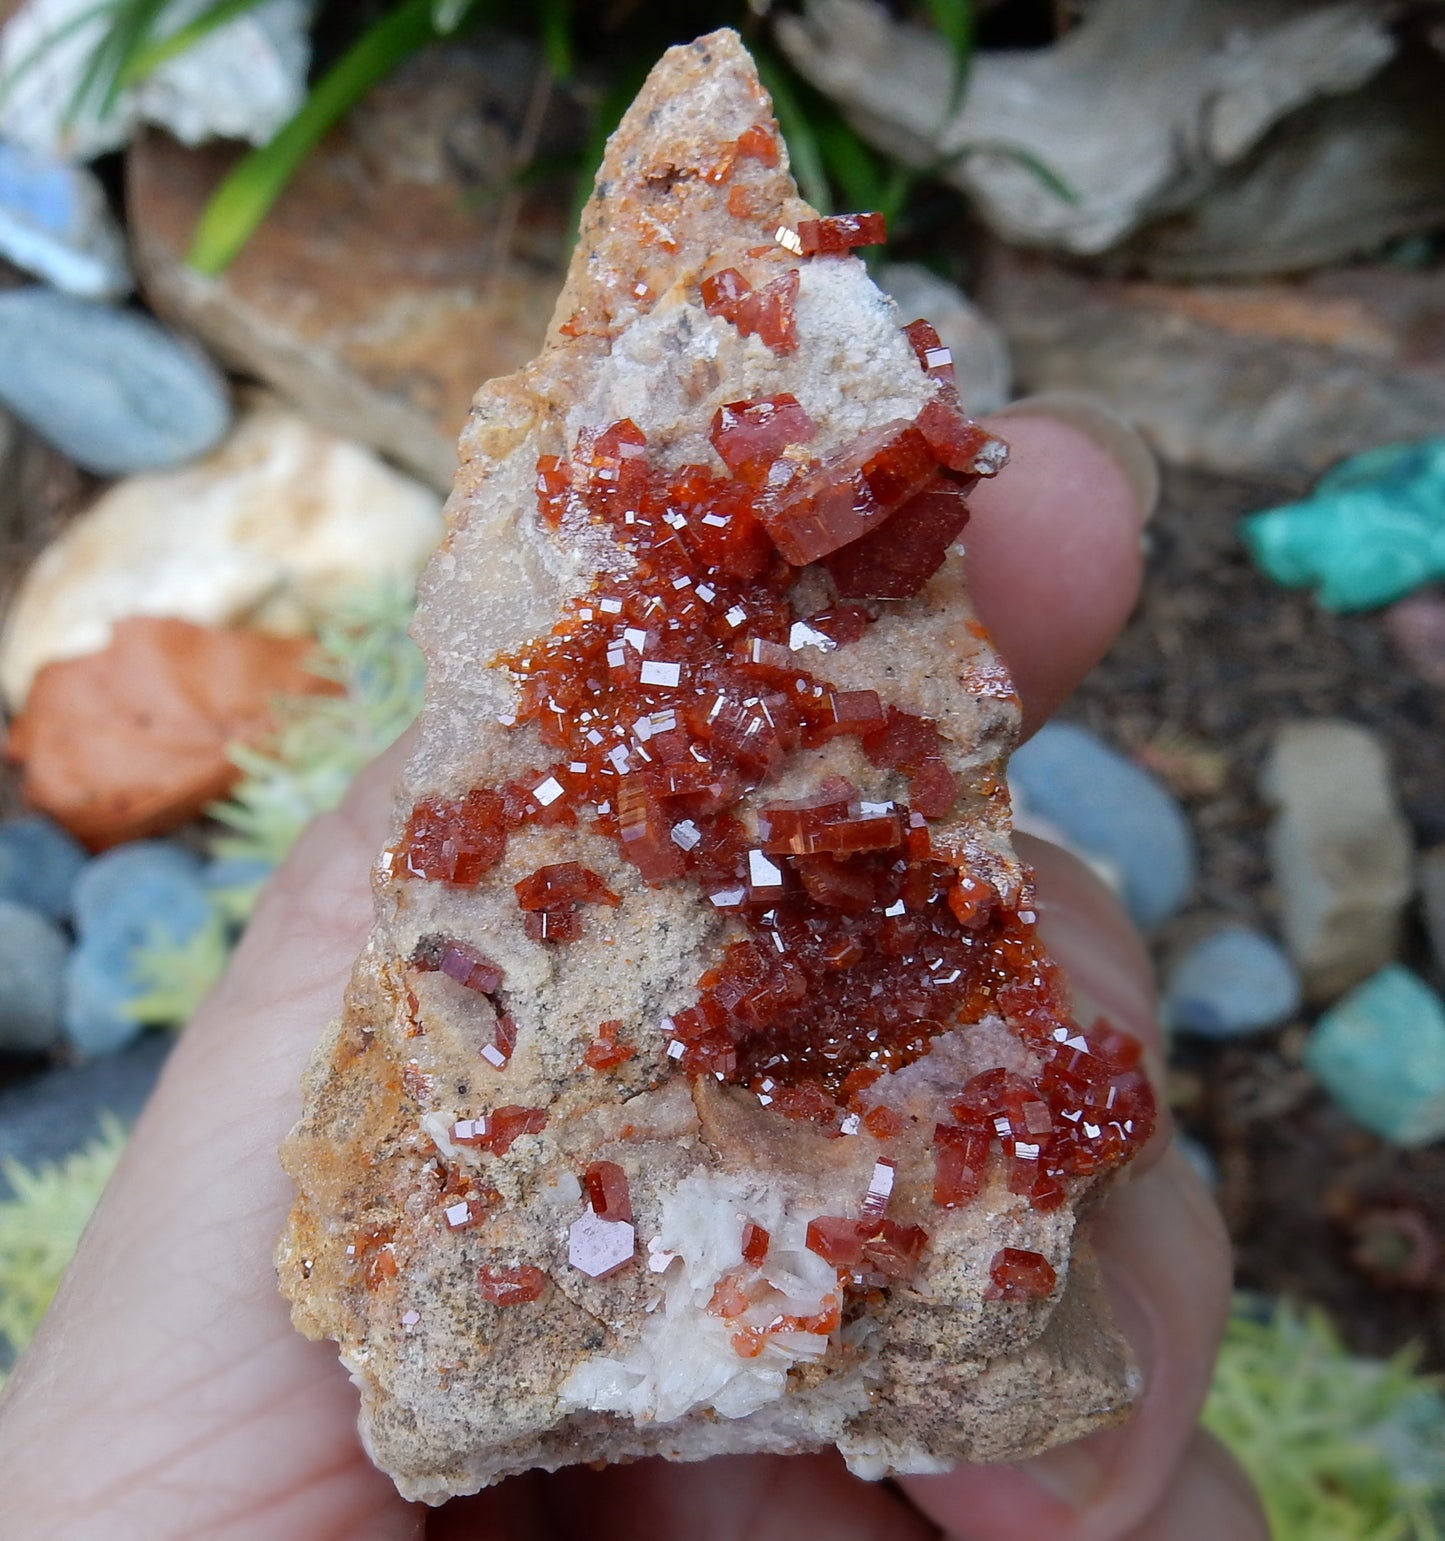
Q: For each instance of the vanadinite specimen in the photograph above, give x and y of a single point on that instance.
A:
(704, 1086)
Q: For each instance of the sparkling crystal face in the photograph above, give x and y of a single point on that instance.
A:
(599, 1247)
(675, 690)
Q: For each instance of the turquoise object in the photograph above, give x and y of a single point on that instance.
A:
(1380, 1053)
(1372, 530)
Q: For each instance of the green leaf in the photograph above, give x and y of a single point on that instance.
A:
(126, 33)
(173, 978)
(27, 62)
(1049, 178)
(448, 15)
(149, 58)
(247, 194)
(804, 150)
(853, 169)
(953, 20)
(40, 1227)
(557, 38)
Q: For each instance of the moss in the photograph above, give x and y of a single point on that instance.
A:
(321, 742)
(40, 1227)
(1341, 1448)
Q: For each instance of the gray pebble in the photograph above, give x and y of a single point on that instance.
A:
(1232, 982)
(110, 388)
(1112, 810)
(39, 865)
(131, 897)
(55, 223)
(32, 967)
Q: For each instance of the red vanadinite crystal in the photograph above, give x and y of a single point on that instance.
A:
(841, 233)
(768, 313)
(511, 1286)
(960, 1157)
(604, 1052)
(956, 442)
(468, 967)
(498, 1131)
(454, 842)
(550, 897)
(677, 688)
(553, 485)
(759, 142)
(749, 436)
(903, 553)
(1019, 1275)
(723, 291)
(755, 1245)
(848, 495)
(935, 359)
(872, 1244)
(605, 1184)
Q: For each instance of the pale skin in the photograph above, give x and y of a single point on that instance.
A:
(167, 1397)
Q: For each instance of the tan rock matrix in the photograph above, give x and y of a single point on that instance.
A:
(703, 1087)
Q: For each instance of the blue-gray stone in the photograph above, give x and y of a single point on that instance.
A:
(47, 1116)
(32, 963)
(39, 864)
(1111, 809)
(1231, 982)
(131, 897)
(55, 223)
(1380, 1053)
(110, 388)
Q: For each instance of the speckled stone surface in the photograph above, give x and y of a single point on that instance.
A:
(456, 1391)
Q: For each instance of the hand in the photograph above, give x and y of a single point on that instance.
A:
(167, 1395)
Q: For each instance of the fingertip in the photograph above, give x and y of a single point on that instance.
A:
(1054, 553)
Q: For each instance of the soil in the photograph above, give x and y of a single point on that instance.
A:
(1214, 658)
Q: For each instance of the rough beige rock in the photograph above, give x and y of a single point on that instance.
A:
(1194, 88)
(1272, 380)
(456, 1392)
(270, 531)
(402, 266)
(1340, 852)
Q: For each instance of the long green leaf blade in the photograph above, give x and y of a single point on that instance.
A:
(147, 60)
(247, 194)
(953, 20)
(557, 38)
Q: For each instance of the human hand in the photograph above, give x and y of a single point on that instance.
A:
(167, 1395)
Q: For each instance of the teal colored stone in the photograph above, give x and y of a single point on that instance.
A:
(1372, 531)
(1380, 1053)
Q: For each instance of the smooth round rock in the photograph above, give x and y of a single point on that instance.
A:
(55, 223)
(1111, 810)
(111, 389)
(1230, 983)
(130, 898)
(32, 965)
(39, 865)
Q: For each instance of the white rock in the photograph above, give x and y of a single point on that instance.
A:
(242, 81)
(270, 530)
(1340, 852)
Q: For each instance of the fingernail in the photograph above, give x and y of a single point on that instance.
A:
(1118, 440)
(1072, 1474)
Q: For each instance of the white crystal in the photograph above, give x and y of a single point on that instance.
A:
(598, 1247)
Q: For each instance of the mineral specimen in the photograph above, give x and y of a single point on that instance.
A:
(793, 1120)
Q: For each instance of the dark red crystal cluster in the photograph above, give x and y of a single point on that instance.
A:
(685, 682)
